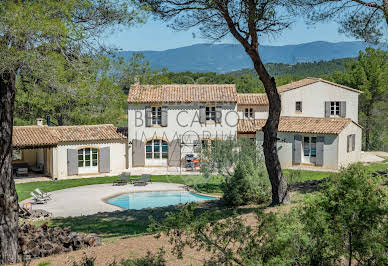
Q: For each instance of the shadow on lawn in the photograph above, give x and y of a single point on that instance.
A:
(134, 222)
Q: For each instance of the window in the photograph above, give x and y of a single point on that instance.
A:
(248, 112)
(207, 144)
(88, 157)
(351, 141)
(298, 106)
(156, 149)
(335, 108)
(210, 113)
(17, 155)
(156, 115)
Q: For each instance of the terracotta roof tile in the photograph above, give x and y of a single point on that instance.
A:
(86, 133)
(33, 136)
(41, 136)
(252, 99)
(298, 125)
(186, 93)
(308, 81)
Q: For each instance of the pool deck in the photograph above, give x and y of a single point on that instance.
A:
(87, 200)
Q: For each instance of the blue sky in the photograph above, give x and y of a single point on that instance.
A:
(154, 35)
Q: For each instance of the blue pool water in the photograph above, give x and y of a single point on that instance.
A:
(141, 200)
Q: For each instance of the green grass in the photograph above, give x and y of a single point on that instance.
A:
(294, 176)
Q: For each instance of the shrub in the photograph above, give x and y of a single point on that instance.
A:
(248, 184)
(346, 219)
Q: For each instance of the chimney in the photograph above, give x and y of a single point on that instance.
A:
(39, 121)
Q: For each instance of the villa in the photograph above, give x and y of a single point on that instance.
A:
(318, 128)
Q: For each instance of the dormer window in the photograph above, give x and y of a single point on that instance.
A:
(335, 108)
(248, 112)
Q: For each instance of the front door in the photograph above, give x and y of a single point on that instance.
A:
(309, 149)
(156, 152)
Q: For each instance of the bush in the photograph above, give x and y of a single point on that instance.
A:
(347, 219)
(248, 184)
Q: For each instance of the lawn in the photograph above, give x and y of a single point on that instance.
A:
(196, 182)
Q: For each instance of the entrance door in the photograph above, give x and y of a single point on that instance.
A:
(309, 149)
(156, 152)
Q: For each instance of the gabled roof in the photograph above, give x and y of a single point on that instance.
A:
(183, 93)
(313, 125)
(252, 99)
(44, 136)
(308, 81)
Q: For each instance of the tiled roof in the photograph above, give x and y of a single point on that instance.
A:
(33, 136)
(312, 125)
(186, 93)
(308, 81)
(86, 133)
(252, 99)
(42, 136)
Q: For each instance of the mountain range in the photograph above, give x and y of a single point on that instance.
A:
(222, 58)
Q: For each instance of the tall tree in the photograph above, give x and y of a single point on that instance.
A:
(35, 37)
(88, 95)
(363, 19)
(370, 75)
(246, 21)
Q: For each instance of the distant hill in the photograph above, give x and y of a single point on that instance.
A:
(313, 69)
(222, 58)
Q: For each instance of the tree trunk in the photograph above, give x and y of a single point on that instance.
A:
(8, 196)
(385, 10)
(278, 182)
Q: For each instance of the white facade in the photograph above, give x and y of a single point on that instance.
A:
(313, 98)
(117, 159)
(183, 123)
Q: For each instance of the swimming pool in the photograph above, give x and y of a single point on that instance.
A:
(141, 200)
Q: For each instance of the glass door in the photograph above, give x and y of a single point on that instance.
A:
(309, 149)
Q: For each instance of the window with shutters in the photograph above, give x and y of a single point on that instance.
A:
(335, 108)
(298, 107)
(156, 149)
(248, 112)
(210, 113)
(156, 115)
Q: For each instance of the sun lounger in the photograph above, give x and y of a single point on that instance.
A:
(42, 194)
(124, 179)
(144, 179)
(37, 199)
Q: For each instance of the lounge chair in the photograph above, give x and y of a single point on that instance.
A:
(124, 179)
(43, 195)
(144, 179)
(37, 199)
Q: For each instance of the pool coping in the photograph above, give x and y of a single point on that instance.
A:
(186, 188)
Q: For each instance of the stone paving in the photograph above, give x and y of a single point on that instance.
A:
(87, 200)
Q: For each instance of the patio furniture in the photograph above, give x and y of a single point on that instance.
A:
(37, 199)
(124, 179)
(144, 179)
(22, 171)
(39, 169)
(42, 194)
